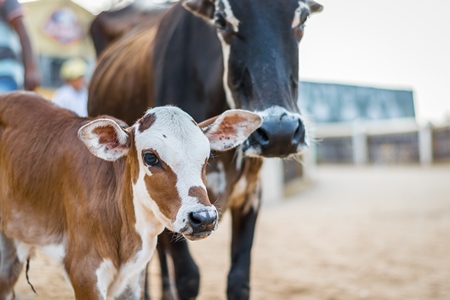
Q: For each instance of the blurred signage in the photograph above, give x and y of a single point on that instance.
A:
(63, 26)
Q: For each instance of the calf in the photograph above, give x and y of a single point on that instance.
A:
(101, 217)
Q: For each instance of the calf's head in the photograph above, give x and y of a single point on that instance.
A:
(167, 153)
(259, 41)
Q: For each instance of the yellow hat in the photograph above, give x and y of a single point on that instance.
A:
(73, 68)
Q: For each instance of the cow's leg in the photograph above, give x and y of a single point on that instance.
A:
(243, 228)
(147, 283)
(166, 282)
(135, 289)
(10, 266)
(187, 275)
(87, 282)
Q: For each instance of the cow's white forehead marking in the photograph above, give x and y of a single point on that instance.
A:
(229, 15)
(302, 6)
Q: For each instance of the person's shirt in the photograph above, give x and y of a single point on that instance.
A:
(71, 99)
(10, 50)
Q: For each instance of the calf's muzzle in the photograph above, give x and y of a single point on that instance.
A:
(203, 221)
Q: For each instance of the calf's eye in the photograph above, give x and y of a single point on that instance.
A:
(150, 159)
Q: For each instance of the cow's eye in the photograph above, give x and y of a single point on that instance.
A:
(150, 159)
(220, 22)
(303, 17)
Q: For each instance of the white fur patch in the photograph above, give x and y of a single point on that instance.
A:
(105, 276)
(238, 194)
(54, 251)
(23, 250)
(130, 272)
(217, 181)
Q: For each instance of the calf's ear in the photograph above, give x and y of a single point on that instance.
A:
(105, 139)
(202, 8)
(230, 129)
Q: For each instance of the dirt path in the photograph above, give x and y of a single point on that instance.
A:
(358, 233)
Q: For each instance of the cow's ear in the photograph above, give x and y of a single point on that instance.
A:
(105, 139)
(314, 6)
(202, 8)
(230, 129)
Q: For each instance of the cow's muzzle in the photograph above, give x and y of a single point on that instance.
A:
(280, 135)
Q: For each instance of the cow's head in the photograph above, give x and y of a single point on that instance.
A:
(260, 51)
(167, 153)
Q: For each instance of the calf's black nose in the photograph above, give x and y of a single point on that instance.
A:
(203, 220)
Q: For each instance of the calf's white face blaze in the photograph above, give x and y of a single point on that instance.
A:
(171, 152)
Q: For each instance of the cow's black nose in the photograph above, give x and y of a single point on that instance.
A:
(203, 220)
(278, 136)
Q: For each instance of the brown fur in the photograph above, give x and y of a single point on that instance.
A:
(158, 186)
(146, 122)
(109, 26)
(199, 193)
(48, 195)
(117, 77)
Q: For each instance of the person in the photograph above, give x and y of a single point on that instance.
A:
(73, 95)
(17, 63)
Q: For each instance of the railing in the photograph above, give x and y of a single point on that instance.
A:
(382, 142)
(387, 142)
(441, 143)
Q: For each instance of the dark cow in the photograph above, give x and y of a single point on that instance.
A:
(207, 56)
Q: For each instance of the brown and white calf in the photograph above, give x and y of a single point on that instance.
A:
(95, 195)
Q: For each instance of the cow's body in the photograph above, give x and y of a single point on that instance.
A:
(206, 58)
(101, 217)
(109, 26)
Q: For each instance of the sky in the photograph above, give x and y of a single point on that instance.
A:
(401, 44)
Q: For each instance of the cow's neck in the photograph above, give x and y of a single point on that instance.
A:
(199, 77)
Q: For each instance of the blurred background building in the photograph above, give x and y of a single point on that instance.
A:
(59, 31)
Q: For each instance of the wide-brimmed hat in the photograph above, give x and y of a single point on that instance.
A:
(73, 68)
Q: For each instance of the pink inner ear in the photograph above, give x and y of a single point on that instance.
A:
(227, 128)
(107, 136)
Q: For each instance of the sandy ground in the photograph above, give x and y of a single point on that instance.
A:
(358, 233)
